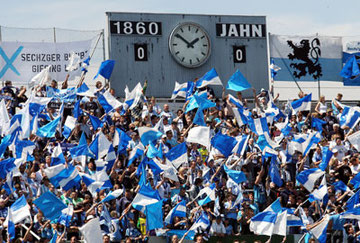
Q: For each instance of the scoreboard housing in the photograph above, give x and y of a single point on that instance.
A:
(139, 43)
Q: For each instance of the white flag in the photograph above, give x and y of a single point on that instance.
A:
(41, 78)
(74, 62)
(91, 231)
(200, 135)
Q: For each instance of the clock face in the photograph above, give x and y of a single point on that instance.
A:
(189, 45)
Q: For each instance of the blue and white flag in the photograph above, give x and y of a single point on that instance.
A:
(100, 145)
(319, 231)
(113, 195)
(311, 142)
(178, 155)
(274, 207)
(202, 222)
(210, 78)
(179, 90)
(145, 196)
(148, 135)
(206, 195)
(308, 177)
(238, 82)
(20, 210)
(66, 215)
(259, 125)
(241, 145)
(224, 143)
(263, 223)
(133, 98)
(105, 220)
(50, 205)
(121, 139)
(351, 68)
(108, 102)
(6, 166)
(178, 211)
(135, 153)
(292, 219)
(340, 185)
(241, 115)
(93, 185)
(324, 56)
(349, 117)
(303, 104)
(85, 64)
(106, 69)
(354, 139)
(66, 178)
(69, 125)
(236, 176)
(351, 214)
(57, 156)
(48, 130)
(319, 193)
(10, 225)
(274, 68)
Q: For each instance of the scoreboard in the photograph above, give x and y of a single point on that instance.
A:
(164, 48)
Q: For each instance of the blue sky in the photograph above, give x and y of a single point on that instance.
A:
(327, 17)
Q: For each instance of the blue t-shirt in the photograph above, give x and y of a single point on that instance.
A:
(338, 223)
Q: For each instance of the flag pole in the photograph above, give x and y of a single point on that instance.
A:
(91, 55)
(319, 88)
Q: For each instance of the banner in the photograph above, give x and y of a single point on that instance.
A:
(310, 58)
(20, 61)
(351, 46)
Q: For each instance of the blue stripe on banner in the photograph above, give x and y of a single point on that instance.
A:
(331, 69)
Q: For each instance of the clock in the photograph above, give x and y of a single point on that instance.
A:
(189, 45)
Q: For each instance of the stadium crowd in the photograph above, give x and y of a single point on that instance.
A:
(205, 180)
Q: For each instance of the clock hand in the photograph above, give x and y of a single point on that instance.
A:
(183, 39)
(191, 44)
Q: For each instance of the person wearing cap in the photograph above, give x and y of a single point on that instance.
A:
(217, 227)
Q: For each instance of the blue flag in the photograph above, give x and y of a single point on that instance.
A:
(95, 122)
(237, 176)
(317, 124)
(274, 172)
(223, 143)
(50, 205)
(326, 156)
(49, 130)
(106, 69)
(238, 82)
(154, 216)
(353, 201)
(351, 68)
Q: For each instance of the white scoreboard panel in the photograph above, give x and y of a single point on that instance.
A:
(164, 48)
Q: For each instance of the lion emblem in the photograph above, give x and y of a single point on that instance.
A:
(309, 64)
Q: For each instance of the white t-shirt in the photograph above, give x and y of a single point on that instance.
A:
(217, 228)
